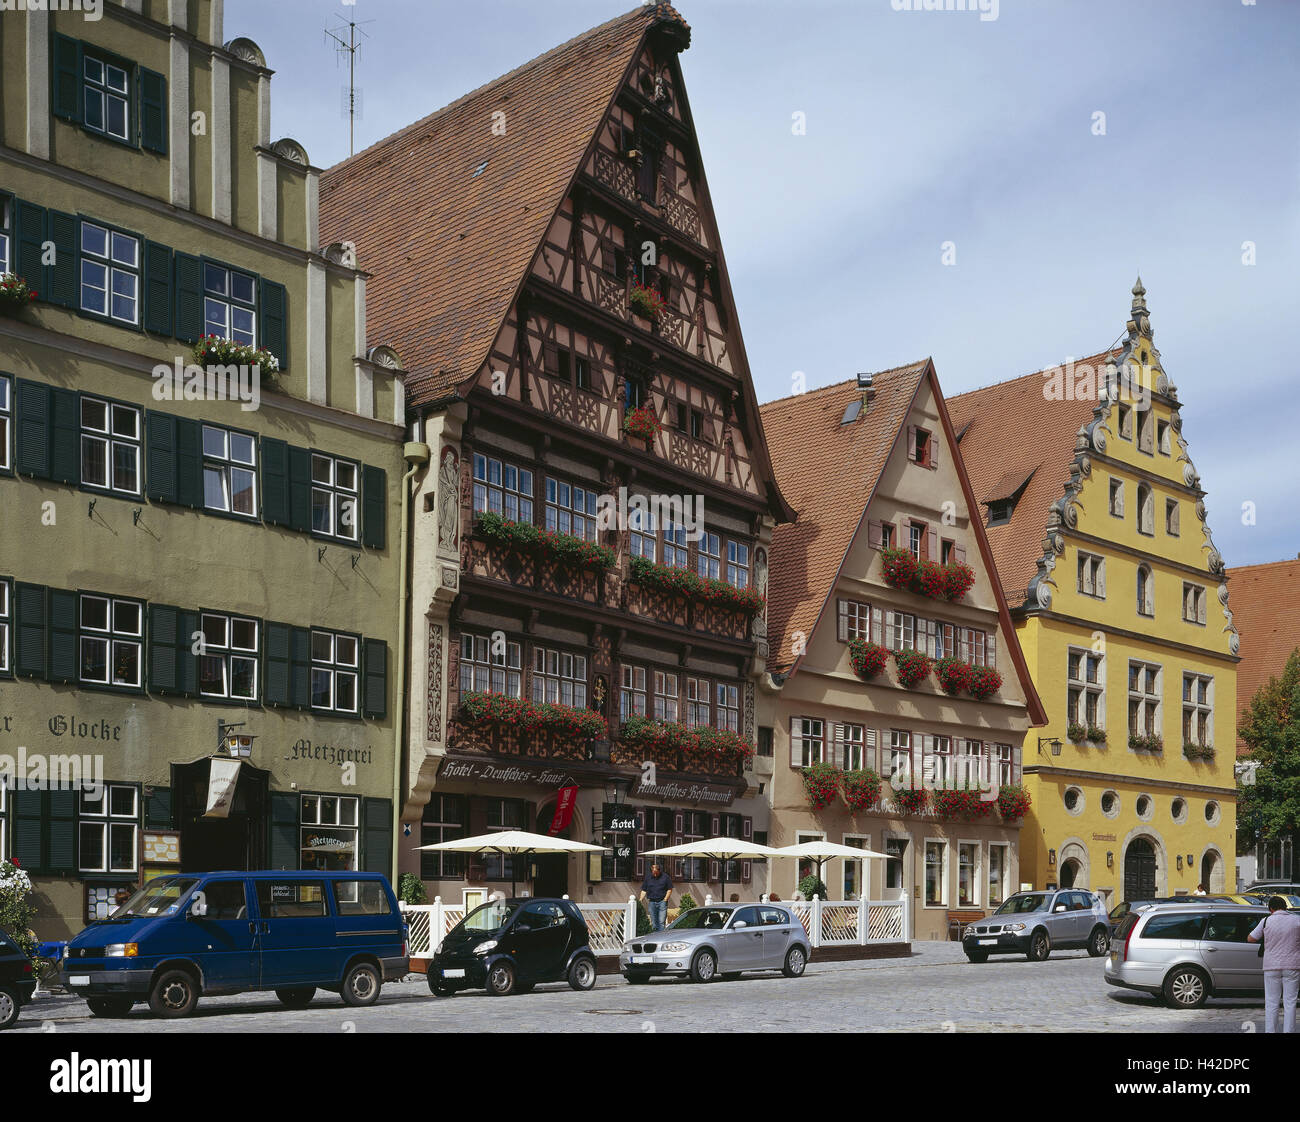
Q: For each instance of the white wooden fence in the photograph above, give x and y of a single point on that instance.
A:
(829, 923)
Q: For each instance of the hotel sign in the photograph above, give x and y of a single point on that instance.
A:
(672, 791)
(476, 771)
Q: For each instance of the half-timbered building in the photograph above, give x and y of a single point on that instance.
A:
(590, 541)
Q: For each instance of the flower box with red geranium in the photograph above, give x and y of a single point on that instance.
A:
(930, 579)
(647, 734)
(965, 803)
(523, 537)
(701, 590)
(1013, 801)
(911, 800)
(642, 423)
(868, 659)
(559, 720)
(861, 789)
(984, 682)
(15, 293)
(821, 783)
(954, 674)
(913, 667)
(958, 577)
(898, 567)
(645, 301)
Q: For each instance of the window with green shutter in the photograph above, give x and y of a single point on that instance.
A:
(59, 279)
(45, 830)
(375, 695)
(29, 630)
(275, 481)
(157, 288)
(374, 488)
(174, 457)
(153, 111)
(377, 835)
(275, 669)
(29, 224)
(284, 830)
(172, 662)
(274, 309)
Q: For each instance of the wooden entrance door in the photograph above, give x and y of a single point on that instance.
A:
(1139, 870)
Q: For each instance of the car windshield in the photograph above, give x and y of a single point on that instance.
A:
(1018, 905)
(700, 918)
(487, 919)
(158, 897)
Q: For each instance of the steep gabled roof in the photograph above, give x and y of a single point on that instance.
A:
(829, 472)
(1267, 614)
(448, 215)
(1012, 435)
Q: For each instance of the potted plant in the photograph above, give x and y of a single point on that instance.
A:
(642, 423)
(954, 674)
(702, 590)
(898, 567)
(645, 301)
(868, 659)
(410, 890)
(913, 667)
(212, 350)
(1196, 751)
(812, 885)
(861, 788)
(1013, 801)
(1076, 732)
(930, 579)
(17, 908)
(911, 800)
(1146, 742)
(984, 682)
(821, 783)
(1096, 735)
(958, 577)
(15, 294)
(961, 803)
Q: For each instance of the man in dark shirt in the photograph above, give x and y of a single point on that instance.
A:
(655, 890)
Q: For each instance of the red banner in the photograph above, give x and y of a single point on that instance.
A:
(564, 804)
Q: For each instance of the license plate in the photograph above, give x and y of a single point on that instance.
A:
(987, 942)
(453, 973)
(642, 958)
(79, 980)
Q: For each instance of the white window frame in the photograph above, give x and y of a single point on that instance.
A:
(1080, 690)
(854, 618)
(1201, 713)
(113, 637)
(633, 693)
(230, 468)
(1005, 847)
(220, 646)
(853, 746)
(861, 867)
(6, 421)
(223, 299)
(106, 90)
(641, 540)
(1091, 575)
(1194, 597)
(1004, 756)
(977, 874)
(708, 559)
(1116, 492)
(111, 441)
(106, 820)
(812, 740)
(737, 564)
(698, 708)
(329, 487)
(800, 837)
(309, 820)
(727, 706)
(105, 272)
(570, 509)
(503, 488)
(900, 751)
(332, 666)
(925, 873)
(902, 631)
(6, 234)
(1144, 698)
(559, 677)
(667, 703)
(676, 552)
(490, 670)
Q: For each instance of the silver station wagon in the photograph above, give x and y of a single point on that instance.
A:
(719, 940)
(1188, 952)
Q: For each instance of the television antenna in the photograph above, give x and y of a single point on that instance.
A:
(345, 38)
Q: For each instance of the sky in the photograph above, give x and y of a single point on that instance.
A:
(1060, 148)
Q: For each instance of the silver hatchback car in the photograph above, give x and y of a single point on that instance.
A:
(1188, 952)
(721, 939)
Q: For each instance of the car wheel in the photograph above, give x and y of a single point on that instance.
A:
(109, 1006)
(1040, 946)
(1099, 942)
(174, 994)
(796, 958)
(9, 1006)
(501, 979)
(439, 988)
(977, 956)
(1186, 988)
(582, 974)
(637, 979)
(704, 967)
(361, 985)
(297, 997)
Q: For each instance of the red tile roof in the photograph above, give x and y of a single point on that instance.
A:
(1011, 430)
(1266, 611)
(448, 216)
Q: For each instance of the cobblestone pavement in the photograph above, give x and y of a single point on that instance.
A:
(936, 990)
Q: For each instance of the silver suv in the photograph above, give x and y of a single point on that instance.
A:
(1036, 923)
(1188, 952)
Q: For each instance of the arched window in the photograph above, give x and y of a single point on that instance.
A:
(1146, 591)
(1146, 509)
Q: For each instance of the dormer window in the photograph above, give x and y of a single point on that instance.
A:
(1000, 511)
(920, 447)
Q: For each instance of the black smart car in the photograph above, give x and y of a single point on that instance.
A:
(509, 946)
(17, 980)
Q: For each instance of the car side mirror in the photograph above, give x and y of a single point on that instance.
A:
(1059, 908)
(739, 924)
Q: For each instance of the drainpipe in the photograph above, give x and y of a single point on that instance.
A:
(416, 455)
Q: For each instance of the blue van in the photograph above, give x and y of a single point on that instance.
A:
(196, 934)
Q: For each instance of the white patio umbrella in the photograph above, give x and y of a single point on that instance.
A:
(823, 851)
(717, 849)
(513, 843)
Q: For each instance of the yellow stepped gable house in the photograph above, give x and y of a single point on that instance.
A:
(872, 468)
(1097, 520)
